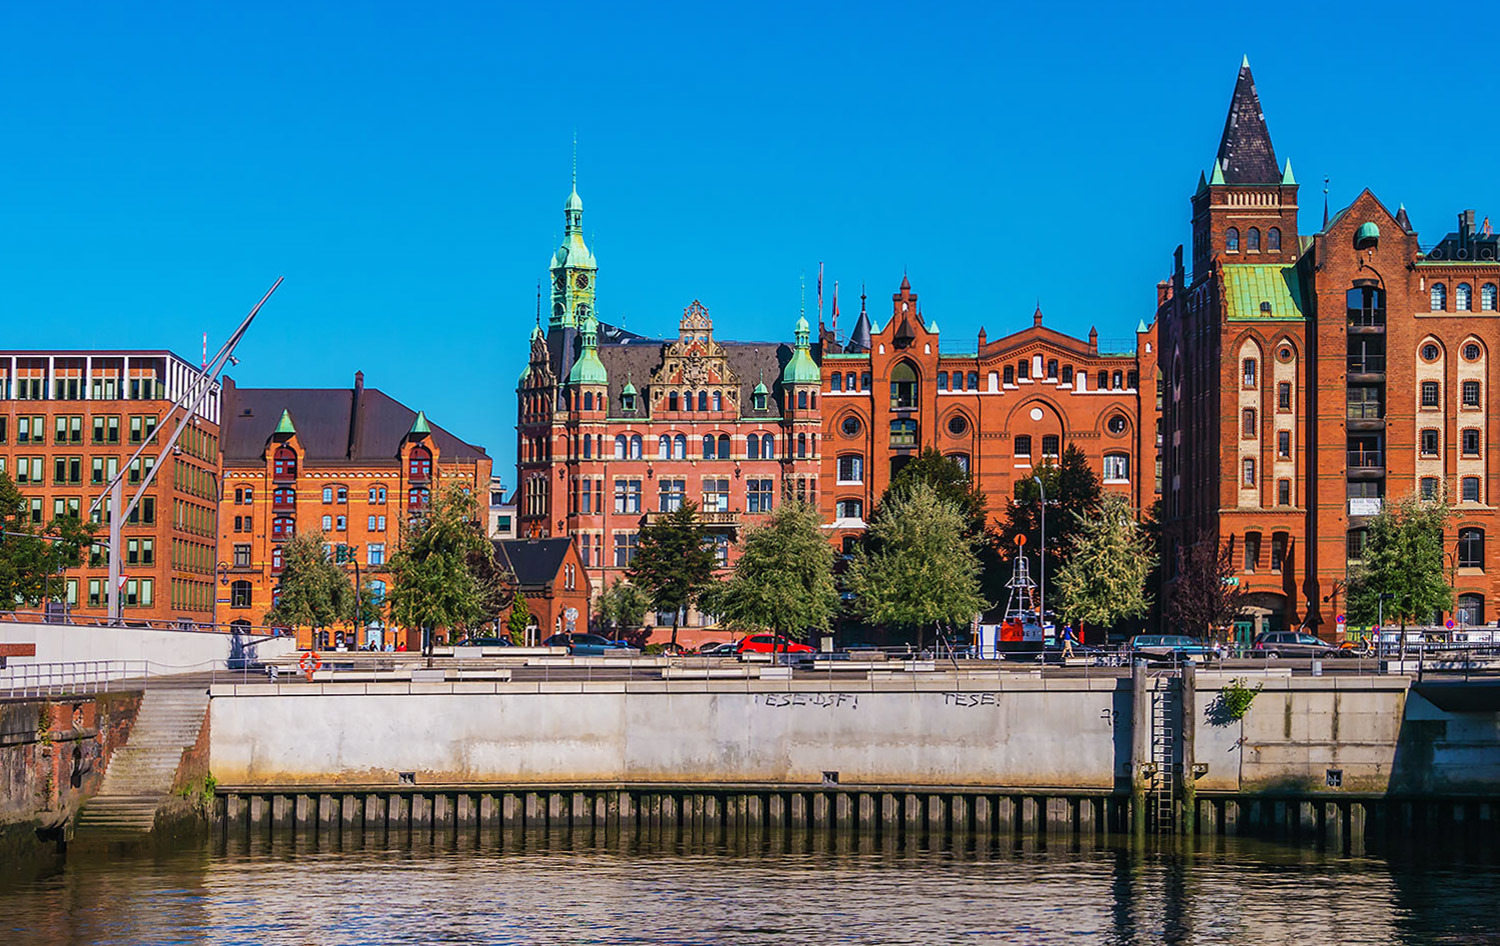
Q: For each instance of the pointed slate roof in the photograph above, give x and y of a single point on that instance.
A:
(1245, 152)
(859, 339)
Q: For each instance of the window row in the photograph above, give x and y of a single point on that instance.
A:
(586, 496)
(1470, 394)
(1252, 240)
(1252, 550)
(1463, 297)
(846, 381)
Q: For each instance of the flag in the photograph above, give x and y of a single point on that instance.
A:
(835, 307)
(1486, 229)
(820, 291)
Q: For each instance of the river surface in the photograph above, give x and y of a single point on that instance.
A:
(541, 890)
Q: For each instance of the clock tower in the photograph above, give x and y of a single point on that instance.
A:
(573, 271)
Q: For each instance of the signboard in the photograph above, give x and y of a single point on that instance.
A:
(1364, 506)
(1339, 619)
(572, 616)
(1232, 580)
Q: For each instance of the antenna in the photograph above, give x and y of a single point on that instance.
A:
(205, 351)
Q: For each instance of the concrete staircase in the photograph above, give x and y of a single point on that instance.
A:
(140, 773)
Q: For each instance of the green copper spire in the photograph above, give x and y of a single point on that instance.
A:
(1202, 183)
(573, 266)
(420, 425)
(1218, 177)
(801, 369)
(629, 388)
(588, 369)
(284, 426)
(1286, 176)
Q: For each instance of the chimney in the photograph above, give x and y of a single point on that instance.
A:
(359, 380)
(982, 336)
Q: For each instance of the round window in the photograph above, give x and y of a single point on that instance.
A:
(850, 426)
(1284, 354)
(1429, 352)
(1116, 424)
(1471, 352)
(957, 424)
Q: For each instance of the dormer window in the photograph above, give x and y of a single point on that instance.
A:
(759, 401)
(627, 403)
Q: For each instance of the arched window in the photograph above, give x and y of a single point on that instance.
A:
(903, 385)
(663, 447)
(1067, 374)
(718, 400)
(1052, 368)
(1470, 611)
(284, 462)
(283, 497)
(1273, 239)
(1116, 380)
(703, 401)
(767, 447)
(419, 465)
(327, 495)
(620, 446)
(377, 495)
(635, 446)
(836, 382)
(679, 447)
(723, 446)
(1439, 297)
(1487, 297)
(1471, 548)
(752, 445)
(283, 527)
(801, 400)
(1252, 239)
(417, 498)
(1008, 375)
(1463, 297)
(377, 591)
(588, 447)
(1103, 380)
(1232, 240)
(588, 400)
(672, 401)
(708, 446)
(973, 381)
(801, 445)
(849, 509)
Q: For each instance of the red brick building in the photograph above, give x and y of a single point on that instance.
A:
(552, 577)
(1000, 408)
(615, 428)
(1311, 378)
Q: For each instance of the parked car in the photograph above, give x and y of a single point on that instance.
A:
(771, 644)
(718, 649)
(1171, 647)
(585, 645)
(1294, 644)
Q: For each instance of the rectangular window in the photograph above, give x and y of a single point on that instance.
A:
(628, 496)
(586, 549)
(1429, 442)
(1248, 371)
(1283, 492)
(720, 543)
(1470, 393)
(851, 469)
(1284, 395)
(1365, 402)
(1283, 443)
(35, 504)
(716, 495)
(1278, 551)
(1429, 487)
(625, 546)
(1470, 489)
(1471, 442)
(1429, 394)
(375, 553)
(1247, 472)
(758, 495)
(1252, 550)
(242, 556)
(673, 494)
(1051, 445)
(1247, 422)
(96, 593)
(1023, 445)
(1116, 467)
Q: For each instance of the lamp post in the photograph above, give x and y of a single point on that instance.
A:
(222, 568)
(1041, 554)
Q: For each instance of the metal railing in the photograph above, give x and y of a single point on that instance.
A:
(81, 677)
(150, 624)
(1366, 459)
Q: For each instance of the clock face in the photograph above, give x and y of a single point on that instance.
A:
(581, 280)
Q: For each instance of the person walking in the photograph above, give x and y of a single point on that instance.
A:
(1069, 639)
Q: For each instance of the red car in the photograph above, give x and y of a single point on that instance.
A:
(771, 644)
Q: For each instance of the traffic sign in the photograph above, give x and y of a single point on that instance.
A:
(1021, 539)
(1448, 624)
(1339, 619)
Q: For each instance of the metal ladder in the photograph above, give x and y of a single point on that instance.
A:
(1163, 755)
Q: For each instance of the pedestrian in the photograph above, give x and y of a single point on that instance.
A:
(1068, 641)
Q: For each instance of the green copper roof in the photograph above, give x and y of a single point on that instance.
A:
(1141, 327)
(1248, 285)
(1202, 183)
(588, 369)
(1218, 177)
(801, 369)
(284, 426)
(629, 389)
(1368, 234)
(760, 388)
(1286, 177)
(932, 326)
(420, 426)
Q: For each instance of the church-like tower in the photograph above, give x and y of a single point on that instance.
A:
(573, 270)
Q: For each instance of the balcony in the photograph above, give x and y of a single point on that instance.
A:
(1366, 460)
(284, 474)
(287, 504)
(1366, 364)
(714, 518)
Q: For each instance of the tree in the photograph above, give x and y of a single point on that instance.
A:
(1073, 496)
(315, 592)
(520, 617)
(623, 605)
(1205, 594)
(783, 579)
(951, 482)
(1403, 560)
(435, 582)
(920, 569)
(1109, 561)
(673, 562)
(32, 556)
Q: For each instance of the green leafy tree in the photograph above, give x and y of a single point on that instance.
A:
(32, 556)
(622, 606)
(315, 591)
(520, 617)
(1204, 595)
(1403, 560)
(673, 562)
(436, 584)
(949, 481)
(783, 579)
(1109, 562)
(920, 570)
(1073, 496)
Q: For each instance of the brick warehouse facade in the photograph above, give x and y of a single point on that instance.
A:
(1312, 378)
(1000, 409)
(69, 421)
(353, 463)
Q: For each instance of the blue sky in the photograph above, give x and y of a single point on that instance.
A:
(404, 165)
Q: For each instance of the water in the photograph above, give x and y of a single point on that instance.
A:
(539, 890)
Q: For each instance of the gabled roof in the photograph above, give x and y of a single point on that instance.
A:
(353, 425)
(1245, 152)
(1247, 285)
(534, 562)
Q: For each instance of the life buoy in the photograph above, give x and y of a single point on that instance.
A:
(310, 663)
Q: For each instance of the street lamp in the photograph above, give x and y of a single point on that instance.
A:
(1041, 593)
(222, 568)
